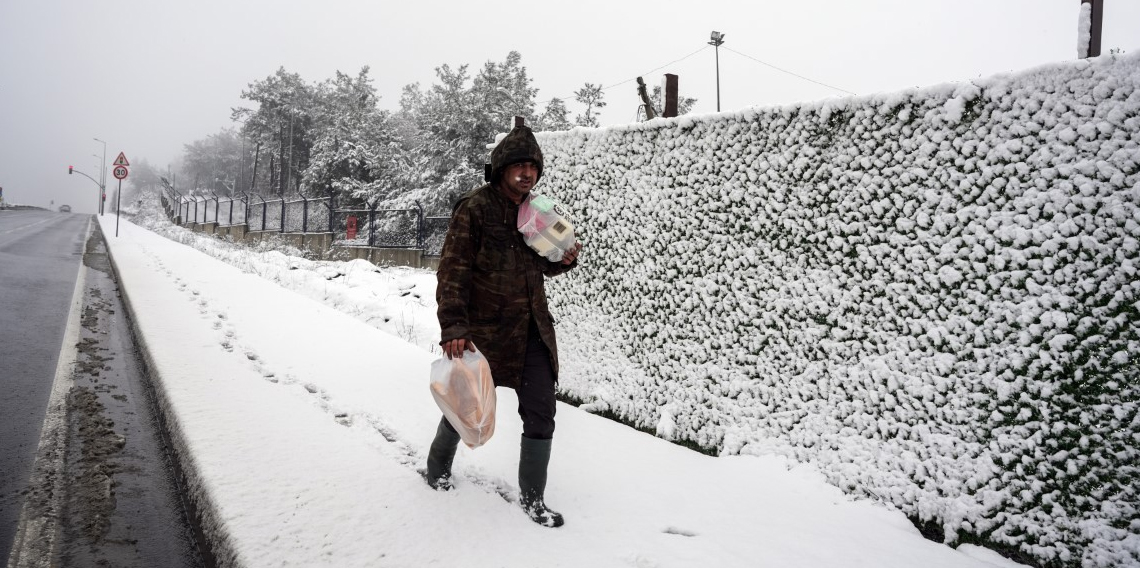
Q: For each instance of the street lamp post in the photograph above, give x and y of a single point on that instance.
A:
(102, 177)
(717, 39)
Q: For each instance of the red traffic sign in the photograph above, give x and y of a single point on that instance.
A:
(120, 172)
(121, 161)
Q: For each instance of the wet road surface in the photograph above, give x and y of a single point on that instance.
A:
(107, 494)
(39, 260)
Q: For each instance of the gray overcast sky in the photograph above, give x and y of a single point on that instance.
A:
(148, 76)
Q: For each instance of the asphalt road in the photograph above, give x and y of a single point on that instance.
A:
(40, 255)
(88, 477)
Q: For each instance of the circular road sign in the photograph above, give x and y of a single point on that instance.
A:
(120, 172)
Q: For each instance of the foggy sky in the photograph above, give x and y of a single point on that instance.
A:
(148, 76)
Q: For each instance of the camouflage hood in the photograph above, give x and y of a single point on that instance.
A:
(519, 146)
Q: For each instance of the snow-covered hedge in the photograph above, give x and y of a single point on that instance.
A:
(932, 295)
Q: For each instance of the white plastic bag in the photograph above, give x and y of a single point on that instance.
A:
(465, 392)
(545, 227)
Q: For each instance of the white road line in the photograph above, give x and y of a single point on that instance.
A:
(30, 225)
(34, 546)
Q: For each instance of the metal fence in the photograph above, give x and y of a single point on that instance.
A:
(308, 215)
(434, 230)
(366, 227)
(389, 228)
(198, 209)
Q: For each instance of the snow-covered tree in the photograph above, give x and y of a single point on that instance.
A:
(354, 148)
(555, 117)
(447, 127)
(213, 163)
(592, 96)
(280, 127)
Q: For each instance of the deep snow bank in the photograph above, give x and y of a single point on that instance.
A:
(931, 295)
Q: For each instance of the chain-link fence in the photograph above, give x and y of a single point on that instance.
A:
(232, 212)
(389, 228)
(380, 228)
(434, 230)
(364, 227)
(264, 215)
(307, 215)
(223, 211)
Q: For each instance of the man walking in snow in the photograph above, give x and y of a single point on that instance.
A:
(491, 294)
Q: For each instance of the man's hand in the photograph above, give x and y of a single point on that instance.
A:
(572, 253)
(454, 348)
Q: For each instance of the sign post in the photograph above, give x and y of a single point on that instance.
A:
(120, 172)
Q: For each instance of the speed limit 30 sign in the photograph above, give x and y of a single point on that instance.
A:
(120, 172)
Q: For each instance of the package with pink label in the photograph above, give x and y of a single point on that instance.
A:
(546, 227)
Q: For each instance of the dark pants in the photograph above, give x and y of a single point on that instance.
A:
(536, 394)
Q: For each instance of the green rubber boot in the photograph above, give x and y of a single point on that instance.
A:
(534, 456)
(441, 455)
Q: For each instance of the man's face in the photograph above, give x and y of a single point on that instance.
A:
(518, 180)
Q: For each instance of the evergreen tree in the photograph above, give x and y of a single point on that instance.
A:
(353, 146)
(555, 117)
(590, 95)
(281, 126)
(214, 163)
(446, 129)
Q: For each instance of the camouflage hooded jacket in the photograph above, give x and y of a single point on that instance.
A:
(490, 283)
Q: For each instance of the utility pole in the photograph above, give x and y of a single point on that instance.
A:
(1090, 26)
(650, 112)
(102, 178)
(717, 39)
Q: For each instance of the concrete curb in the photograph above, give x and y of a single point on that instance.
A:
(214, 544)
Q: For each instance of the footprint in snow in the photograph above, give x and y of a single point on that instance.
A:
(314, 389)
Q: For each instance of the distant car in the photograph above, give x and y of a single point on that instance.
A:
(65, 209)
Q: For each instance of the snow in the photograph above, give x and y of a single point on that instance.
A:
(301, 413)
(1084, 30)
(842, 281)
(925, 295)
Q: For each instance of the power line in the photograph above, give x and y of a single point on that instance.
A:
(632, 78)
(788, 72)
(656, 69)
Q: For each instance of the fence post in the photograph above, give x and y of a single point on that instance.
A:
(304, 214)
(419, 225)
(264, 212)
(231, 211)
(331, 206)
(372, 223)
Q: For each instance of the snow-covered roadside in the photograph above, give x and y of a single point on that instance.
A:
(303, 427)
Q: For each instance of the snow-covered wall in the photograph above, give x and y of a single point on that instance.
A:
(931, 295)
